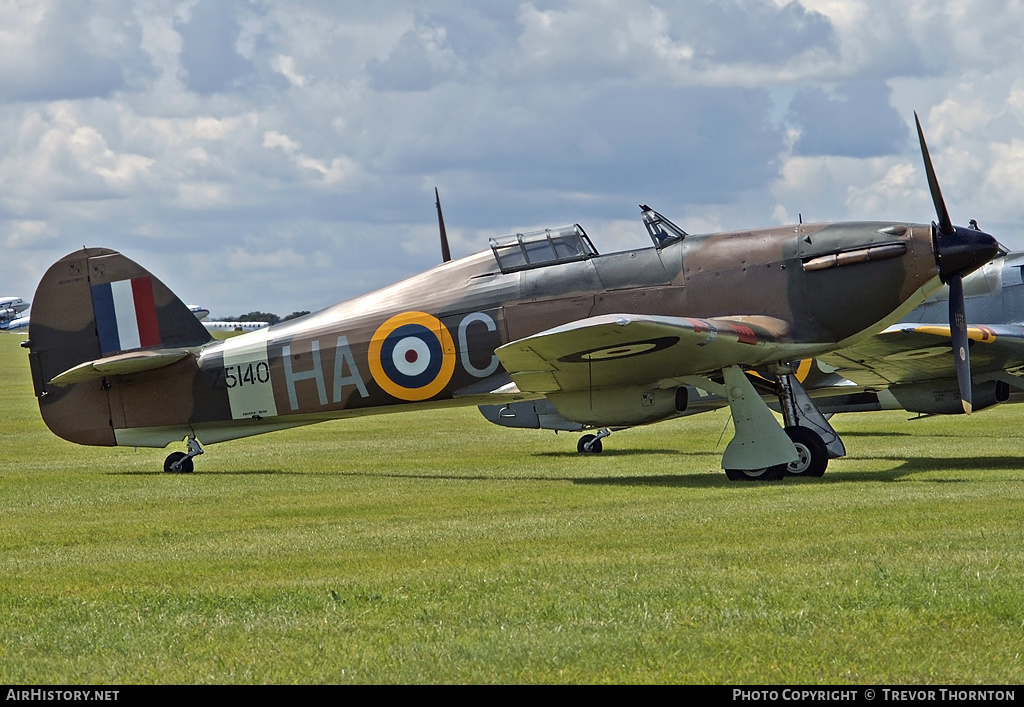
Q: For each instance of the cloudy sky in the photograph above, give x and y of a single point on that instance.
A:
(282, 155)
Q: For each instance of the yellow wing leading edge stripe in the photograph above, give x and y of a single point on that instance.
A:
(974, 333)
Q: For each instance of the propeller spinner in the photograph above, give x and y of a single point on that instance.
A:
(958, 250)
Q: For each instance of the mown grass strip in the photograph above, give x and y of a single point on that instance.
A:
(435, 547)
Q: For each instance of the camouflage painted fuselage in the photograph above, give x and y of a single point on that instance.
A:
(430, 340)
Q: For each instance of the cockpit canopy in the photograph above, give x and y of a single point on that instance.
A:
(523, 251)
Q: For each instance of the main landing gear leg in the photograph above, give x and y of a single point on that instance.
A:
(815, 440)
(591, 444)
(180, 462)
(759, 450)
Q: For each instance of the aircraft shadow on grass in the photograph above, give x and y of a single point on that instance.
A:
(888, 433)
(624, 453)
(704, 479)
(921, 465)
(239, 472)
(909, 468)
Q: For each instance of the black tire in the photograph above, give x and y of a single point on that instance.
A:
(769, 473)
(595, 445)
(186, 465)
(812, 450)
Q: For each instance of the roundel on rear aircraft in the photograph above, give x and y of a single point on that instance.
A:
(412, 356)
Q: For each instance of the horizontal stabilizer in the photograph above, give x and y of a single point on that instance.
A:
(134, 362)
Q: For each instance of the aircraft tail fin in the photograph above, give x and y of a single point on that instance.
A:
(91, 305)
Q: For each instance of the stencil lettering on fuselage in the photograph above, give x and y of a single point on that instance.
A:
(247, 376)
(488, 323)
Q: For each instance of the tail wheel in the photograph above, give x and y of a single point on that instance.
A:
(589, 444)
(185, 465)
(811, 450)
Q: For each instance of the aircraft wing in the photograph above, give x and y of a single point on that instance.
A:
(907, 353)
(633, 349)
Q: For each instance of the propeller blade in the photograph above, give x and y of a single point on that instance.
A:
(446, 254)
(945, 224)
(958, 335)
(957, 251)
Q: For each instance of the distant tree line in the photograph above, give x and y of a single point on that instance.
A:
(268, 317)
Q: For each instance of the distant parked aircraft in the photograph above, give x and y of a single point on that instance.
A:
(202, 313)
(235, 326)
(11, 307)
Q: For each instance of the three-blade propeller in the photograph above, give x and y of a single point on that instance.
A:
(958, 250)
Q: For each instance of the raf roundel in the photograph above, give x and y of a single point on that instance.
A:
(635, 348)
(412, 356)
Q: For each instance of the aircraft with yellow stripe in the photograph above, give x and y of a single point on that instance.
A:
(908, 365)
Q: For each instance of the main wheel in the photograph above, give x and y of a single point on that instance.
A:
(812, 451)
(768, 473)
(186, 465)
(593, 441)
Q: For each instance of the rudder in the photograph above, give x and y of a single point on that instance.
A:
(92, 304)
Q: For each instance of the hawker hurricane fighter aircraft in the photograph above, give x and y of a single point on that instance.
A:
(117, 359)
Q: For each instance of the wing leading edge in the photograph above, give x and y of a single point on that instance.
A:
(908, 353)
(632, 349)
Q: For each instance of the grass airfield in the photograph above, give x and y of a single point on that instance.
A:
(437, 548)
